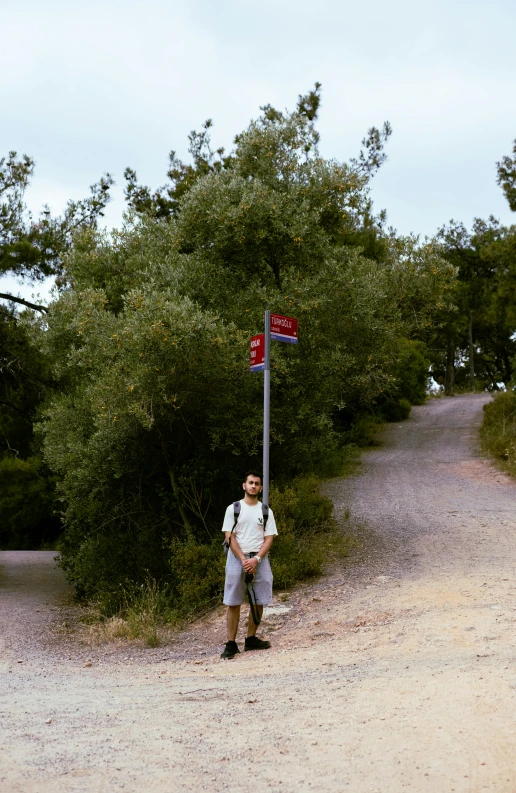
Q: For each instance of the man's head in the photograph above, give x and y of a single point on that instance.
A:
(252, 484)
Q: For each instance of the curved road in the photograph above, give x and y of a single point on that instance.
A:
(396, 672)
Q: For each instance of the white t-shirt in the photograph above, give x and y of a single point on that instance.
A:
(249, 529)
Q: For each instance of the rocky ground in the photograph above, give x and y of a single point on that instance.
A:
(395, 672)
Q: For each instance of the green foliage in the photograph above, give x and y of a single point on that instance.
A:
(36, 248)
(498, 431)
(27, 505)
(506, 173)
(396, 410)
(340, 461)
(412, 371)
(31, 248)
(309, 537)
(25, 378)
(410, 378)
(197, 575)
(155, 415)
(151, 395)
(307, 531)
(480, 327)
(363, 431)
(26, 486)
(144, 609)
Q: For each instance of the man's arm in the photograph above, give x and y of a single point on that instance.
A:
(235, 546)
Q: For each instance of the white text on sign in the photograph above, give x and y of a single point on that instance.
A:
(284, 328)
(257, 353)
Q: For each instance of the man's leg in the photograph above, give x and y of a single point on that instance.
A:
(233, 618)
(251, 627)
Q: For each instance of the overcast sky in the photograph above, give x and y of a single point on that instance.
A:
(97, 86)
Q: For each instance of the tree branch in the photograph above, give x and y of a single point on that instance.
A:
(10, 405)
(14, 299)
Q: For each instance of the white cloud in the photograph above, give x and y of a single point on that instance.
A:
(95, 87)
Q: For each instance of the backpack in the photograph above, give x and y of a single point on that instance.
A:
(236, 512)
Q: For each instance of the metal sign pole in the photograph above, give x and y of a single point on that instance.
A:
(266, 407)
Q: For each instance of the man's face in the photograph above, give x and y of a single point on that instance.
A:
(253, 486)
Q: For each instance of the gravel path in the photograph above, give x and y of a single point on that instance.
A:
(396, 672)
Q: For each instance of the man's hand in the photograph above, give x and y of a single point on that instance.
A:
(250, 565)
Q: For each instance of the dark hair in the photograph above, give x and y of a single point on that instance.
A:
(254, 473)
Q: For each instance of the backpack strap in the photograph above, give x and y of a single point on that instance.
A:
(236, 512)
(265, 513)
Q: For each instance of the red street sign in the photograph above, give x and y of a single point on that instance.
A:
(283, 328)
(257, 353)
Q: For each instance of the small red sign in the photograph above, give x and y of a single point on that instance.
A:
(257, 353)
(283, 328)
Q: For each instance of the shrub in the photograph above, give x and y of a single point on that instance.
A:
(412, 371)
(308, 537)
(27, 503)
(363, 431)
(307, 534)
(118, 554)
(338, 462)
(197, 572)
(411, 379)
(498, 430)
(307, 531)
(398, 410)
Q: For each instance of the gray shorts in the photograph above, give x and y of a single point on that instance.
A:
(234, 587)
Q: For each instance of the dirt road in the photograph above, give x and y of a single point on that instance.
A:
(398, 672)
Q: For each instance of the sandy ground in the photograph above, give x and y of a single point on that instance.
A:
(396, 672)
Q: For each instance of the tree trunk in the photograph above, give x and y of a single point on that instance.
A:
(471, 353)
(507, 369)
(449, 380)
(177, 493)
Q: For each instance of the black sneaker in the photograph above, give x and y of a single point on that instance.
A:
(254, 643)
(230, 650)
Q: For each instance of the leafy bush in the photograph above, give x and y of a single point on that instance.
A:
(397, 410)
(308, 536)
(412, 371)
(307, 531)
(336, 462)
(409, 382)
(498, 431)
(107, 563)
(27, 504)
(197, 572)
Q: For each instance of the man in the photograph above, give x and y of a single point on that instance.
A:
(249, 545)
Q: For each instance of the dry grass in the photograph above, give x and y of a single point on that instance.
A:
(118, 629)
(143, 619)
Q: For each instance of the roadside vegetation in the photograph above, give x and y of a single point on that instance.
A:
(498, 431)
(128, 410)
(309, 541)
